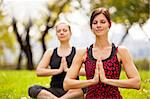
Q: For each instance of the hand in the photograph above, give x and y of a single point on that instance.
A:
(64, 63)
(61, 68)
(96, 75)
(102, 76)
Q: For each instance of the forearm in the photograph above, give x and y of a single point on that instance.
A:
(47, 72)
(131, 71)
(75, 84)
(129, 83)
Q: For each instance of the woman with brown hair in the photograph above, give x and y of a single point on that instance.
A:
(103, 61)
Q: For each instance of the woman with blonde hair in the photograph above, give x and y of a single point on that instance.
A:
(55, 63)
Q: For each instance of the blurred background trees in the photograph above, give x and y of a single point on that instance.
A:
(49, 21)
(126, 12)
(7, 39)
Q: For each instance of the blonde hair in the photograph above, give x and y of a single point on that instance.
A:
(63, 22)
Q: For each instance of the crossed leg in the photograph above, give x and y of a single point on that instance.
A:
(71, 94)
(41, 92)
(44, 94)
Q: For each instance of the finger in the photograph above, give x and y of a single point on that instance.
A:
(63, 59)
(101, 69)
(98, 64)
(96, 69)
(96, 75)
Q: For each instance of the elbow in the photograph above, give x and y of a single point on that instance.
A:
(138, 83)
(38, 72)
(66, 85)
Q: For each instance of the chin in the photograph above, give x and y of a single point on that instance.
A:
(100, 34)
(63, 39)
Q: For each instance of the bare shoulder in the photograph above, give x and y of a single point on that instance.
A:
(49, 51)
(124, 52)
(81, 51)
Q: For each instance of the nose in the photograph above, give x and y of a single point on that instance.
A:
(99, 24)
(61, 33)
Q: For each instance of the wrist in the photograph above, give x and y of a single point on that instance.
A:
(65, 70)
(59, 71)
(93, 81)
(105, 81)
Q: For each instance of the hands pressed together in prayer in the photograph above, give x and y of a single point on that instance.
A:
(99, 72)
(63, 65)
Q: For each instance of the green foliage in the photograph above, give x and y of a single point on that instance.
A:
(7, 39)
(142, 64)
(127, 11)
(55, 8)
(58, 7)
(144, 91)
(15, 84)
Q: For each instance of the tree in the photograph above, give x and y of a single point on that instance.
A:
(24, 45)
(55, 9)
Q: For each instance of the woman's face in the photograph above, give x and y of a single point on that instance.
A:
(63, 32)
(100, 25)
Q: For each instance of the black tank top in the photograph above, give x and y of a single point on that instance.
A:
(57, 80)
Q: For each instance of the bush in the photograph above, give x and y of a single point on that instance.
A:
(143, 64)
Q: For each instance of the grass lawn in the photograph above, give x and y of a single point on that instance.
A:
(14, 84)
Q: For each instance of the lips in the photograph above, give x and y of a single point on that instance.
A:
(62, 36)
(99, 30)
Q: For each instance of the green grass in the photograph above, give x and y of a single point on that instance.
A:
(143, 93)
(14, 84)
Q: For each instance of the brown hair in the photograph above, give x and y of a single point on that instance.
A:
(98, 11)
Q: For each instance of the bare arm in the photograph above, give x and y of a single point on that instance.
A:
(82, 67)
(82, 70)
(42, 68)
(133, 80)
(70, 81)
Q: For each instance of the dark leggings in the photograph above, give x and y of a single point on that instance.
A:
(33, 91)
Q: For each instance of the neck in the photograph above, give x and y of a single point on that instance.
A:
(65, 45)
(102, 42)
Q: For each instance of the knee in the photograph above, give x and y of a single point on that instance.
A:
(78, 92)
(33, 91)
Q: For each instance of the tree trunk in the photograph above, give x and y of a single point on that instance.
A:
(19, 61)
(62, 5)
(28, 53)
(125, 35)
(24, 46)
(43, 42)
